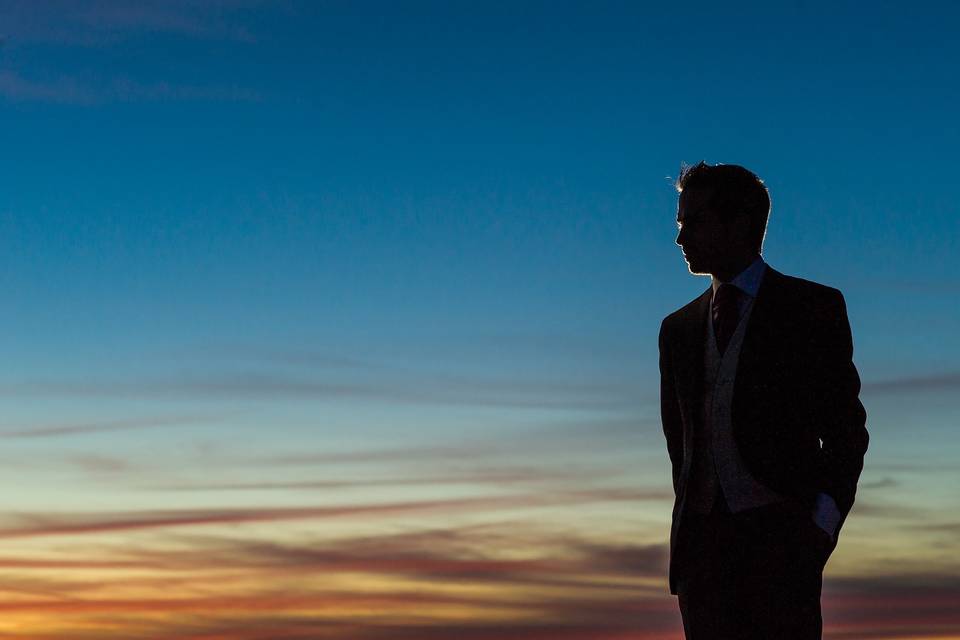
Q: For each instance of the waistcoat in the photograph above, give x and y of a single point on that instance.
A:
(717, 470)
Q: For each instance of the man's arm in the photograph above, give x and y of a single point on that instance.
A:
(841, 418)
(670, 408)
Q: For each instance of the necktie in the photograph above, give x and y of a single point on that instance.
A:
(726, 316)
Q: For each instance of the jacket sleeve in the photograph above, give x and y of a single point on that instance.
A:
(670, 408)
(841, 418)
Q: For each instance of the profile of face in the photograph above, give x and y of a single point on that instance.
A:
(710, 244)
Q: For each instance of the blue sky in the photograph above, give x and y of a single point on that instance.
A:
(442, 235)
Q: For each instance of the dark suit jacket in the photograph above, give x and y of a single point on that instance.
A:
(796, 386)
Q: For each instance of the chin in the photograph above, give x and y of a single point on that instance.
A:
(697, 269)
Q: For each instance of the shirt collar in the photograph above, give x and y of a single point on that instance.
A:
(747, 280)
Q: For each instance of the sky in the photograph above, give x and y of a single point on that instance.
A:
(339, 319)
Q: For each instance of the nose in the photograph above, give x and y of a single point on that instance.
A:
(680, 237)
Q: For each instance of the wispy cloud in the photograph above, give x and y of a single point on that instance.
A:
(578, 589)
(464, 454)
(495, 579)
(917, 465)
(82, 428)
(480, 554)
(935, 382)
(883, 483)
(82, 90)
(494, 476)
(49, 524)
(302, 357)
(66, 25)
(99, 463)
(409, 389)
(944, 527)
(437, 617)
(490, 581)
(876, 508)
(311, 458)
(918, 605)
(104, 22)
(62, 89)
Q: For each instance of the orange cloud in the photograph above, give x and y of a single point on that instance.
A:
(75, 524)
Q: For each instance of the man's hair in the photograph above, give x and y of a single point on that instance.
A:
(734, 189)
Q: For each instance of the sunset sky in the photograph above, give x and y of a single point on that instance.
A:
(338, 320)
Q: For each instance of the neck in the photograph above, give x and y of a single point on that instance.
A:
(729, 272)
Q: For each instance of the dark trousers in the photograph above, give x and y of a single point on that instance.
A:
(753, 575)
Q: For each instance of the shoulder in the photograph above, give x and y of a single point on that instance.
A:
(676, 317)
(805, 302)
(805, 290)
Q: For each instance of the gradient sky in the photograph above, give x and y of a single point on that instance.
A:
(339, 319)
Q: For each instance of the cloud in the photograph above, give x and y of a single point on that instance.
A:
(99, 463)
(492, 581)
(917, 465)
(254, 620)
(946, 527)
(480, 475)
(627, 559)
(82, 428)
(610, 620)
(914, 605)
(25, 24)
(38, 525)
(81, 90)
(64, 564)
(127, 90)
(883, 483)
(884, 606)
(453, 554)
(404, 389)
(408, 454)
(463, 459)
(105, 22)
(301, 357)
(62, 89)
(947, 381)
(544, 346)
(879, 509)
(496, 580)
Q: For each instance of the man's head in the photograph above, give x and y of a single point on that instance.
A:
(722, 213)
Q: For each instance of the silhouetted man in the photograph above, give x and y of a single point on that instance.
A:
(765, 432)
